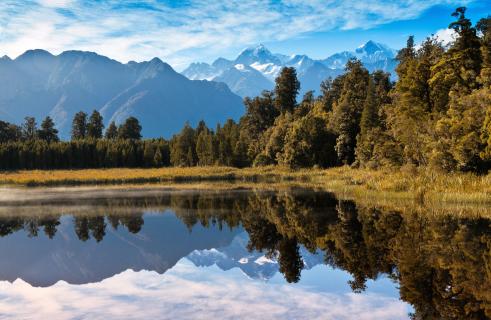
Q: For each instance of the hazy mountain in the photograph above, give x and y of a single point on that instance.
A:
(162, 241)
(244, 80)
(38, 84)
(310, 72)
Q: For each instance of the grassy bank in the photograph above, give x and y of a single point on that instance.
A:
(420, 185)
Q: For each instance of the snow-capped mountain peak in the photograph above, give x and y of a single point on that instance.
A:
(259, 54)
(256, 68)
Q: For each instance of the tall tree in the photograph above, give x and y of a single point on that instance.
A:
(48, 132)
(130, 129)
(95, 126)
(29, 128)
(347, 111)
(204, 148)
(183, 147)
(79, 126)
(286, 90)
(9, 132)
(111, 131)
(484, 27)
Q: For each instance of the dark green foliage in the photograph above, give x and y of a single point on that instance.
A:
(130, 129)
(111, 131)
(9, 132)
(95, 126)
(48, 132)
(29, 129)
(286, 90)
(347, 110)
(183, 148)
(79, 126)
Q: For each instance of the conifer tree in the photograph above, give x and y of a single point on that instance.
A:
(347, 111)
(48, 132)
(484, 27)
(286, 90)
(29, 128)
(95, 125)
(111, 131)
(79, 126)
(204, 148)
(130, 129)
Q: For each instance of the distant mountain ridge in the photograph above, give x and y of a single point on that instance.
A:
(254, 264)
(38, 83)
(239, 76)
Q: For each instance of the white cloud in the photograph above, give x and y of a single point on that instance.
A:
(180, 34)
(189, 292)
(445, 36)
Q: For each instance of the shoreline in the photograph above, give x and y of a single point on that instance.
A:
(420, 185)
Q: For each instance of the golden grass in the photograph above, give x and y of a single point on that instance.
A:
(135, 176)
(419, 185)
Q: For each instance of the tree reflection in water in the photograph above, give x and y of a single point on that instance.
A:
(442, 263)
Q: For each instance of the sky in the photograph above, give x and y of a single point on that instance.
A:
(185, 31)
(190, 292)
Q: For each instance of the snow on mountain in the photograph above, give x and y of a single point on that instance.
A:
(237, 74)
(244, 80)
(200, 71)
(373, 55)
(259, 54)
(254, 264)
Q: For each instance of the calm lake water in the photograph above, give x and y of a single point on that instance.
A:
(242, 254)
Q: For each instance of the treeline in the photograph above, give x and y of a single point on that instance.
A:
(437, 114)
(30, 147)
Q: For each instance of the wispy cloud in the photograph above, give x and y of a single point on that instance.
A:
(183, 31)
(188, 292)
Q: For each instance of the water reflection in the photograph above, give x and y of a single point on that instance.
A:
(442, 264)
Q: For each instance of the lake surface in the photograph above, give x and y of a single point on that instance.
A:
(241, 254)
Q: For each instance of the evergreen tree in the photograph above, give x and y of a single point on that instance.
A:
(130, 129)
(95, 125)
(260, 115)
(331, 92)
(48, 132)
(204, 148)
(347, 111)
(460, 66)
(29, 128)
(484, 26)
(79, 126)
(9, 132)
(365, 141)
(286, 90)
(183, 148)
(111, 131)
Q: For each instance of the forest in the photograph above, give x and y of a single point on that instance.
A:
(437, 114)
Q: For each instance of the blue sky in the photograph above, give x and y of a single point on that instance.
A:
(181, 32)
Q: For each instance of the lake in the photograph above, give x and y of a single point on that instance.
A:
(293, 253)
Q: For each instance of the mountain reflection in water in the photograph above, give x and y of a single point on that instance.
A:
(441, 264)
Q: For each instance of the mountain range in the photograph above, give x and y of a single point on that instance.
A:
(256, 68)
(38, 84)
(161, 243)
(254, 264)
